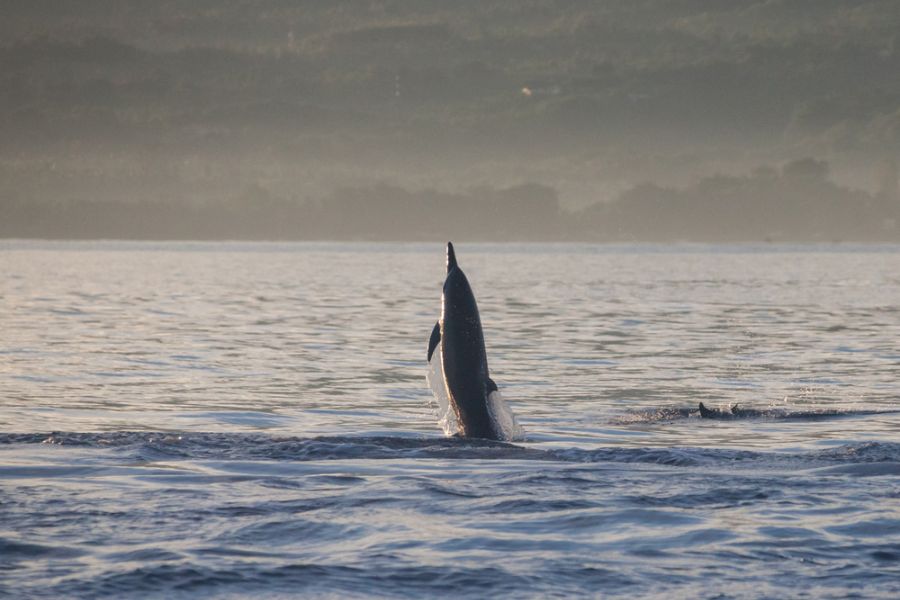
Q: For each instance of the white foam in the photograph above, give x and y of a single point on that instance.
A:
(503, 417)
(435, 377)
(499, 411)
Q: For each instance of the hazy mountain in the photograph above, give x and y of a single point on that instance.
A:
(190, 105)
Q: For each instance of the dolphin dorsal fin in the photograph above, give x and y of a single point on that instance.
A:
(451, 257)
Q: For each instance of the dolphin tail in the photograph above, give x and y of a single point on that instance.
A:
(451, 257)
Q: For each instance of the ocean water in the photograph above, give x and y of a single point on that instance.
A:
(230, 420)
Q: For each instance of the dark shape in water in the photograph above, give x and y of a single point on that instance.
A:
(716, 413)
(462, 355)
(735, 412)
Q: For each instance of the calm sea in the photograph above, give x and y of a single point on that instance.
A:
(252, 420)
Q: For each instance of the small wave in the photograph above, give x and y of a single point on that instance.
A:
(12, 551)
(324, 580)
(143, 446)
(161, 445)
(875, 469)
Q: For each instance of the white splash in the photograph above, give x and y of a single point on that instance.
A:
(503, 417)
(498, 409)
(435, 377)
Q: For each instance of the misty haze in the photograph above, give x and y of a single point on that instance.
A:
(609, 121)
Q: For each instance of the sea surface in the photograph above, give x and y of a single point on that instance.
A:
(233, 420)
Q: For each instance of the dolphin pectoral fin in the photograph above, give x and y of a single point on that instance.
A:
(491, 386)
(435, 339)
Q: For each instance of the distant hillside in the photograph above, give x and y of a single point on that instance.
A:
(185, 103)
(794, 203)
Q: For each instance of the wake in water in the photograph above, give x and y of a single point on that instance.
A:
(733, 412)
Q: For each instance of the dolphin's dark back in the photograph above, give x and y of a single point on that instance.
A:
(464, 360)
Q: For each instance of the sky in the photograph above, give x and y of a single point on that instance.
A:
(234, 102)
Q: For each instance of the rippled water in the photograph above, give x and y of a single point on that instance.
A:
(233, 420)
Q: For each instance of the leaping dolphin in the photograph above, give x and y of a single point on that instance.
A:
(460, 341)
